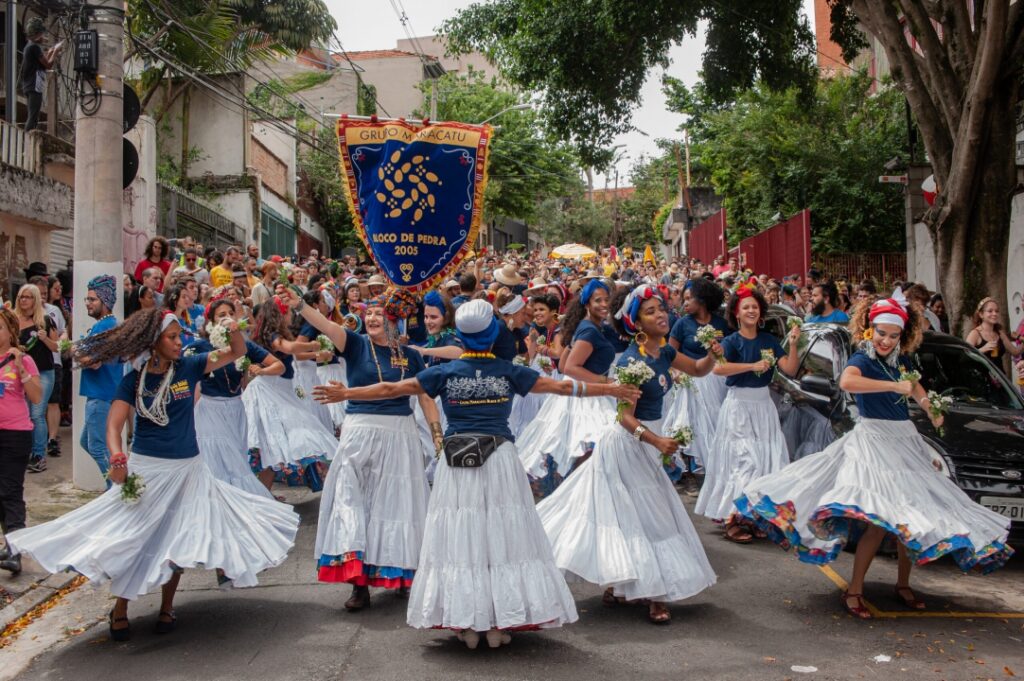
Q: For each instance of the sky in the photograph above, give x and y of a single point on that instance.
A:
(375, 25)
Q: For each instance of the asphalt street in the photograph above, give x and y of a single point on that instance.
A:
(769, 617)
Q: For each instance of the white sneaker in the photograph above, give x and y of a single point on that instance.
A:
(470, 638)
(496, 638)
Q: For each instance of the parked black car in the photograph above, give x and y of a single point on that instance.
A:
(982, 449)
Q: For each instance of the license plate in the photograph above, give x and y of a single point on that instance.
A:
(1005, 506)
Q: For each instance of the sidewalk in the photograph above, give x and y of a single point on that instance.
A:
(48, 495)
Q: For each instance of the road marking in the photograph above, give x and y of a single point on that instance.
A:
(888, 614)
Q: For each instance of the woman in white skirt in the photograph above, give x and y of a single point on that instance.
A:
(544, 350)
(184, 516)
(748, 436)
(880, 477)
(220, 414)
(375, 497)
(318, 367)
(617, 521)
(280, 424)
(486, 566)
(442, 345)
(565, 431)
(699, 406)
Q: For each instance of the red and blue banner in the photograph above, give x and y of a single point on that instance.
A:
(415, 193)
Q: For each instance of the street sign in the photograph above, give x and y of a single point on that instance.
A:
(892, 179)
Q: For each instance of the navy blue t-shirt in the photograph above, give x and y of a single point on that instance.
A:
(476, 394)
(176, 440)
(889, 406)
(685, 331)
(648, 407)
(505, 344)
(227, 381)
(445, 340)
(618, 342)
(603, 355)
(362, 371)
(740, 350)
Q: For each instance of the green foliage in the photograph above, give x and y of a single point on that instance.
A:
(574, 220)
(655, 182)
(515, 247)
(658, 223)
(590, 58)
(775, 152)
(322, 173)
(294, 24)
(366, 100)
(526, 166)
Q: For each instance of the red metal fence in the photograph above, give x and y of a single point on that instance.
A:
(707, 240)
(780, 250)
(884, 268)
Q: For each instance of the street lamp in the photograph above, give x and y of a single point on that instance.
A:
(516, 107)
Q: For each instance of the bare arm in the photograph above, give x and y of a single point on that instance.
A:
(573, 366)
(295, 347)
(1010, 346)
(630, 422)
(550, 386)
(337, 392)
(701, 367)
(335, 332)
(853, 381)
(116, 419)
(446, 352)
(270, 366)
(791, 362)
(30, 384)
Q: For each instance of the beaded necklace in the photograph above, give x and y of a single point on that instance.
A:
(477, 355)
(376, 360)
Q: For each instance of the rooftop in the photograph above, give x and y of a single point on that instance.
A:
(378, 54)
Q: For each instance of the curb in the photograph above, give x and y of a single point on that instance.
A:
(39, 593)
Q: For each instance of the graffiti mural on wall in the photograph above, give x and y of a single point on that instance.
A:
(13, 261)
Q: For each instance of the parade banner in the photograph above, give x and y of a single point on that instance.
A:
(415, 193)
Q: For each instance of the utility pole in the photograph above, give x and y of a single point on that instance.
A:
(11, 61)
(98, 182)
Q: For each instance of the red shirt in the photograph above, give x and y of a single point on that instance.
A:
(146, 263)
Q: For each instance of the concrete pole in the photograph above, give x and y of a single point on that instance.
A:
(98, 179)
(11, 61)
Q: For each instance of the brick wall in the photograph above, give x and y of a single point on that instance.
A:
(273, 171)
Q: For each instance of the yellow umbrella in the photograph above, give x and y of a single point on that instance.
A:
(570, 251)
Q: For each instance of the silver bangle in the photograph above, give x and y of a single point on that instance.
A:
(639, 432)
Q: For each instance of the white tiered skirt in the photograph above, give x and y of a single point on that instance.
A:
(306, 378)
(221, 432)
(618, 522)
(881, 473)
(563, 430)
(374, 500)
(185, 518)
(748, 444)
(333, 372)
(486, 562)
(281, 426)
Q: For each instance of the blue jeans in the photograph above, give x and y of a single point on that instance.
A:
(94, 433)
(37, 412)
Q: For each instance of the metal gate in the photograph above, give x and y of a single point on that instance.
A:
(277, 234)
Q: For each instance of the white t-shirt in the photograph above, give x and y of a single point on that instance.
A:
(57, 317)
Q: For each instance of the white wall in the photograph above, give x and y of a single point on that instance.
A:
(397, 80)
(238, 207)
(924, 257)
(139, 200)
(1015, 263)
(275, 202)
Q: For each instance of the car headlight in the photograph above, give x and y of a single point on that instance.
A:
(939, 461)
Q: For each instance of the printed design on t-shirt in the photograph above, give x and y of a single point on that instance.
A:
(478, 389)
(663, 382)
(180, 390)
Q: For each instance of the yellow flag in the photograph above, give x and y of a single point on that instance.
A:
(648, 254)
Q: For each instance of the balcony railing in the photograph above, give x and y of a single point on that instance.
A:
(19, 148)
(182, 213)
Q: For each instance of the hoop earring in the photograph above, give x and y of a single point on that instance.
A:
(760, 324)
(641, 340)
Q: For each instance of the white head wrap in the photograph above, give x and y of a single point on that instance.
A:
(474, 316)
(893, 318)
(513, 306)
(140, 361)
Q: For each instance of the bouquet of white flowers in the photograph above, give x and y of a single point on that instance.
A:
(634, 373)
(519, 360)
(243, 363)
(939, 405)
(912, 376)
(325, 343)
(545, 364)
(300, 393)
(706, 335)
(767, 356)
(132, 488)
(685, 380)
(64, 346)
(218, 335)
(684, 436)
(793, 322)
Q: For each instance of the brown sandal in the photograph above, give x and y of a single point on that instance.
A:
(859, 610)
(662, 616)
(912, 602)
(737, 533)
(609, 598)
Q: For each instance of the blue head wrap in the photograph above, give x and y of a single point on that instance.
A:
(434, 299)
(589, 290)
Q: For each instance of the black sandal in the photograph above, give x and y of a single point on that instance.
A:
(118, 635)
(163, 627)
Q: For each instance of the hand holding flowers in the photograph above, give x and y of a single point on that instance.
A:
(938, 407)
(908, 379)
(708, 337)
(635, 373)
(767, 361)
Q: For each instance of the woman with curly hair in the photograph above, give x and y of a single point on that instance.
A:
(749, 442)
(286, 433)
(880, 477)
(617, 521)
(565, 430)
(183, 516)
(374, 503)
(220, 415)
(698, 408)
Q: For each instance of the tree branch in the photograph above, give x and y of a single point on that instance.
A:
(1014, 41)
(945, 88)
(960, 37)
(881, 20)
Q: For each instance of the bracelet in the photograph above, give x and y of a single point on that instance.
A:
(118, 460)
(575, 386)
(583, 389)
(435, 427)
(302, 304)
(639, 432)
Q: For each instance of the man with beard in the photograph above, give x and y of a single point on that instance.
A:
(824, 298)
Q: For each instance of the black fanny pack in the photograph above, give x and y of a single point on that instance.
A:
(470, 450)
